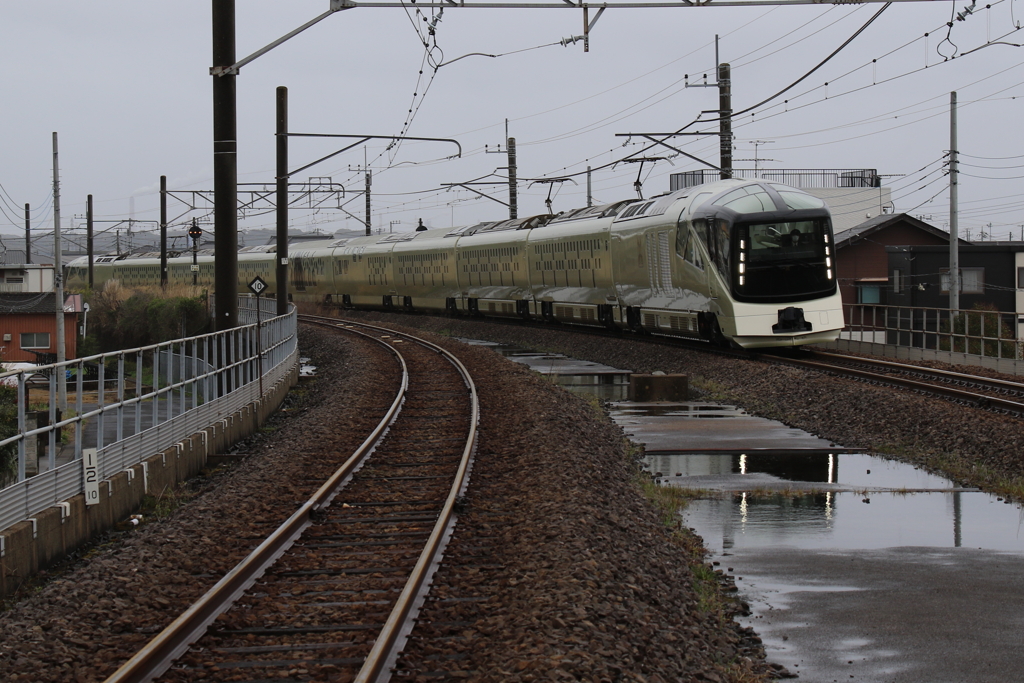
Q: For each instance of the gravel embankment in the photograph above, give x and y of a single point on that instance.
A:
(592, 586)
(973, 447)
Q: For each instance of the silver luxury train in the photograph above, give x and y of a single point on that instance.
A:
(742, 262)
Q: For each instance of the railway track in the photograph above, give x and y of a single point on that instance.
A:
(983, 392)
(331, 594)
(1003, 396)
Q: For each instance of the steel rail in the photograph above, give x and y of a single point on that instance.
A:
(398, 625)
(157, 656)
(941, 375)
(979, 400)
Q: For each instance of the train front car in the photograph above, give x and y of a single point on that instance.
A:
(773, 248)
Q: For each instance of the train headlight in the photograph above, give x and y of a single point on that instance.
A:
(828, 261)
(743, 267)
(741, 280)
(829, 272)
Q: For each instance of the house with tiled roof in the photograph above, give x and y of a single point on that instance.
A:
(28, 326)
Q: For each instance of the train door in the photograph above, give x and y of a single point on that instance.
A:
(659, 262)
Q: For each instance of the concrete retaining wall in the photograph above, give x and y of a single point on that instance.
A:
(45, 539)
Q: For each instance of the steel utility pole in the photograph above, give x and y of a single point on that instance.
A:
(590, 196)
(281, 271)
(225, 167)
(725, 119)
(28, 237)
(88, 235)
(163, 231)
(58, 282)
(954, 246)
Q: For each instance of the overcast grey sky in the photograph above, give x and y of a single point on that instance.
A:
(126, 85)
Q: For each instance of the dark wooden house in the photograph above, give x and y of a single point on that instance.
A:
(991, 275)
(862, 264)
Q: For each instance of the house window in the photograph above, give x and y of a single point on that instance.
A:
(1020, 278)
(972, 280)
(897, 282)
(35, 340)
(869, 294)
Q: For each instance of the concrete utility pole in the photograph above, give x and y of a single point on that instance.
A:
(28, 237)
(954, 246)
(590, 196)
(225, 167)
(513, 194)
(163, 231)
(88, 235)
(725, 119)
(281, 271)
(369, 180)
(58, 282)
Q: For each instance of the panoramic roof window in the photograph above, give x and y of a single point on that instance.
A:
(800, 200)
(747, 199)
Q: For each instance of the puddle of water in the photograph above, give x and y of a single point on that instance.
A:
(604, 382)
(863, 518)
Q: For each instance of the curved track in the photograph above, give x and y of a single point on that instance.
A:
(984, 392)
(332, 592)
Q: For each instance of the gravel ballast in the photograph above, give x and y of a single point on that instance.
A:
(972, 446)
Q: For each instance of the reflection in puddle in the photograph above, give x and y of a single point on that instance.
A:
(811, 467)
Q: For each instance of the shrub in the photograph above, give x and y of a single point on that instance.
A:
(978, 332)
(121, 319)
(8, 428)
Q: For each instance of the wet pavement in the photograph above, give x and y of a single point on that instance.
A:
(854, 567)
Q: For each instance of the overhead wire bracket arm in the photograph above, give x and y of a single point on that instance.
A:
(336, 6)
(361, 139)
(674, 149)
(466, 185)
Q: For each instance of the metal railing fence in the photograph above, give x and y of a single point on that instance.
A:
(131, 404)
(986, 334)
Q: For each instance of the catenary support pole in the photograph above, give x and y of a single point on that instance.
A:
(88, 236)
(28, 236)
(281, 271)
(163, 231)
(954, 246)
(225, 169)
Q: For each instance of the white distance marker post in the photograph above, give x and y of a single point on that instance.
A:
(91, 476)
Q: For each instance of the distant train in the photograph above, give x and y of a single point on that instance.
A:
(746, 262)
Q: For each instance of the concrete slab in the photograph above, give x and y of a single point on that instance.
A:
(906, 615)
(707, 427)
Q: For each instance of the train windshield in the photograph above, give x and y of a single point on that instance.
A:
(780, 261)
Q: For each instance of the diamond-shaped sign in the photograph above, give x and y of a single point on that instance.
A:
(257, 285)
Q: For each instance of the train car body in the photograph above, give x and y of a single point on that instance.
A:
(745, 262)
